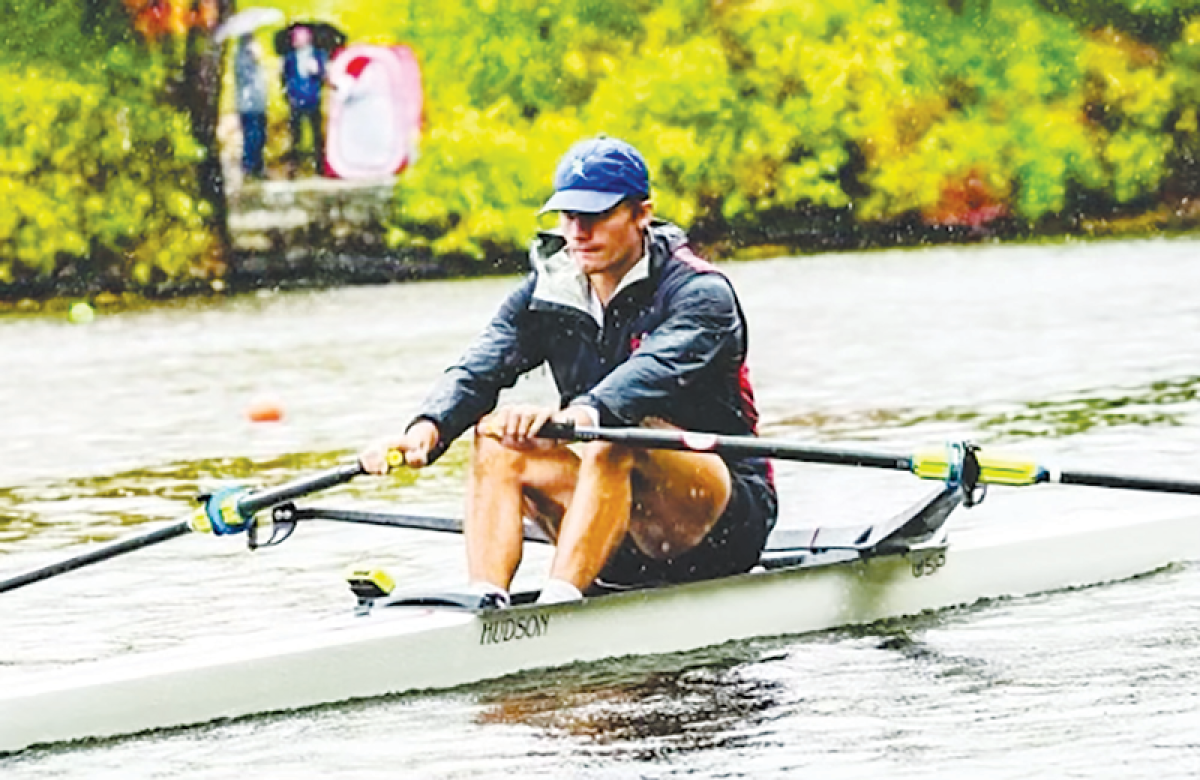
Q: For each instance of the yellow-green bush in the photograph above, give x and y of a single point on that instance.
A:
(97, 180)
(747, 109)
(97, 170)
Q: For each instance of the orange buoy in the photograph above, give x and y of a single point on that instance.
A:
(265, 410)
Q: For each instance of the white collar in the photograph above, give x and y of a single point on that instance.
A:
(639, 271)
(560, 281)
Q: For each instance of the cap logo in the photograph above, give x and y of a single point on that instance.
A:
(577, 167)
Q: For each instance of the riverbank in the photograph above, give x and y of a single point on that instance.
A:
(316, 232)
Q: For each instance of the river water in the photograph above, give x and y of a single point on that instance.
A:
(1084, 355)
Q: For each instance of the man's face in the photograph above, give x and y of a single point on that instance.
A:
(608, 241)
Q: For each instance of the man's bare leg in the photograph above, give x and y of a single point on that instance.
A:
(502, 480)
(597, 517)
(678, 498)
(667, 501)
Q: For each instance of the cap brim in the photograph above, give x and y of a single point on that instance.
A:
(583, 201)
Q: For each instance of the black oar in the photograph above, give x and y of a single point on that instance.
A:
(96, 555)
(223, 512)
(936, 464)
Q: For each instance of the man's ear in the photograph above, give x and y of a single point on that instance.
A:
(644, 213)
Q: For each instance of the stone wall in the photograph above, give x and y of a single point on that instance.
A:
(313, 231)
(317, 232)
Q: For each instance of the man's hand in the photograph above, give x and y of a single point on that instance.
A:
(415, 445)
(517, 426)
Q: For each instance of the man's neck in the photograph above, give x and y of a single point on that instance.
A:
(606, 284)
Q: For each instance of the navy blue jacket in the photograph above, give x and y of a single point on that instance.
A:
(672, 346)
(303, 90)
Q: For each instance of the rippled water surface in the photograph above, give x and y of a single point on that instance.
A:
(1085, 355)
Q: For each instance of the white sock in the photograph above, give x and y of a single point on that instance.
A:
(484, 588)
(558, 591)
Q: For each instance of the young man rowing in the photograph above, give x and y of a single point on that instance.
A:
(637, 330)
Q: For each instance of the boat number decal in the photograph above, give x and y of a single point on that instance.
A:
(928, 564)
(511, 629)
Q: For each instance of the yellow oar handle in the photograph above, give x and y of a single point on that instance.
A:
(993, 469)
(395, 459)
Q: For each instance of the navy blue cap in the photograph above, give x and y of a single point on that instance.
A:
(596, 174)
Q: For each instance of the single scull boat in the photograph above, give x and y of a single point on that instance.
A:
(397, 643)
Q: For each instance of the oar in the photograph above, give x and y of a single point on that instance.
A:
(224, 512)
(936, 464)
(96, 555)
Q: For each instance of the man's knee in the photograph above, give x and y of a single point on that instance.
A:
(608, 456)
(488, 453)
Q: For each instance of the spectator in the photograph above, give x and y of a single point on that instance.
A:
(303, 79)
(251, 83)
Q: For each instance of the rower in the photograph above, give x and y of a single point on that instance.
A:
(637, 331)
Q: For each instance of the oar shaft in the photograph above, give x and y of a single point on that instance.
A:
(1093, 479)
(269, 497)
(96, 555)
(935, 464)
(737, 446)
(247, 506)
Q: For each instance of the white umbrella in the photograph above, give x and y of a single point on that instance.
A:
(247, 21)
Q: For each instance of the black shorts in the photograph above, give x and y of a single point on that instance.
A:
(732, 546)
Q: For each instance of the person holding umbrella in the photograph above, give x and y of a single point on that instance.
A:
(304, 69)
(251, 83)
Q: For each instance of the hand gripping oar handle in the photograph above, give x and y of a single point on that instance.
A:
(927, 464)
(239, 506)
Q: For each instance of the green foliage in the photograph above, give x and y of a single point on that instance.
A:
(1184, 61)
(751, 108)
(537, 54)
(1156, 22)
(1011, 75)
(1131, 95)
(96, 169)
(827, 79)
(479, 181)
(745, 109)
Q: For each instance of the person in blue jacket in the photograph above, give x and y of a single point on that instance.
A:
(637, 331)
(304, 70)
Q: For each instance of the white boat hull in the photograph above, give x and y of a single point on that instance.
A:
(403, 649)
